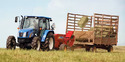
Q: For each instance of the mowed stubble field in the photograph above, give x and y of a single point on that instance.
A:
(79, 55)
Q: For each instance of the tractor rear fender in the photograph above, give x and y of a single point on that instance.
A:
(45, 34)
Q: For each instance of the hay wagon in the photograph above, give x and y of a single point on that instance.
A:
(99, 31)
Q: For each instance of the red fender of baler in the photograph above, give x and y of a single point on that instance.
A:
(69, 34)
(68, 40)
(59, 39)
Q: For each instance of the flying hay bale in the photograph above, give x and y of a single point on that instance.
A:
(82, 22)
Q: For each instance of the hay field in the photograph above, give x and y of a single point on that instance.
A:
(79, 55)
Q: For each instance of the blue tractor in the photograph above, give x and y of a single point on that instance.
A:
(34, 33)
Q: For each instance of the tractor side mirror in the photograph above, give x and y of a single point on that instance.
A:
(53, 26)
(16, 19)
(50, 19)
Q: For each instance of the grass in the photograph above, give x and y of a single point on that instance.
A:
(79, 55)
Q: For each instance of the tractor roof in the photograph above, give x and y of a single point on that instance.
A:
(38, 17)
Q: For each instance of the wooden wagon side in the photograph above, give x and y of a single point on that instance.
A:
(108, 25)
(81, 34)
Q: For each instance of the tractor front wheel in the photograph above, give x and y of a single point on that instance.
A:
(36, 44)
(11, 42)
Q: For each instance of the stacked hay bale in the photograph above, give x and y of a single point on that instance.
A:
(85, 35)
(105, 33)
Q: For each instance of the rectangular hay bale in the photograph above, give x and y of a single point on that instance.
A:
(83, 35)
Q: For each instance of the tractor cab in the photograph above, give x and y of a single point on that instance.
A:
(35, 22)
(31, 26)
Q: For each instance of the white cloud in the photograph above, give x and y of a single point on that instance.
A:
(55, 4)
(38, 11)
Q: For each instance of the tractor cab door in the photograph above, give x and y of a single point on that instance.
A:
(44, 24)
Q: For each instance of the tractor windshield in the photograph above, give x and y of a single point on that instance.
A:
(30, 23)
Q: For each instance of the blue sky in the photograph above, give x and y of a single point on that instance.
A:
(57, 9)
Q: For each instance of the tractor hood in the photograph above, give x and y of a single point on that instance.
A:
(25, 30)
(26, 33)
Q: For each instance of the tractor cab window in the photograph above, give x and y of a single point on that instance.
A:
(21, 24)
(44, 23)
(30, 23)
(48, 24)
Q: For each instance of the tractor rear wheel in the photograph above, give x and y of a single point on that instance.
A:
(49, 42)
(36, 44)
(11, 42)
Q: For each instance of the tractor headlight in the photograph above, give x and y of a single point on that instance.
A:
(24, 34)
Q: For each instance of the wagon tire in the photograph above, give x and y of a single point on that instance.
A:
(87, 48)
(94, 48)
(11, 43)
(72, 48)
(110, 49)
(63, 47)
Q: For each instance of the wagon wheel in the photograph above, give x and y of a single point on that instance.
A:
(72, 48)
(11, 42)
(110, 48)
(63, 47)
(87, 48)
(94, 48)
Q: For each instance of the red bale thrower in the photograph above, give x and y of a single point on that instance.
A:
(64, 41)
